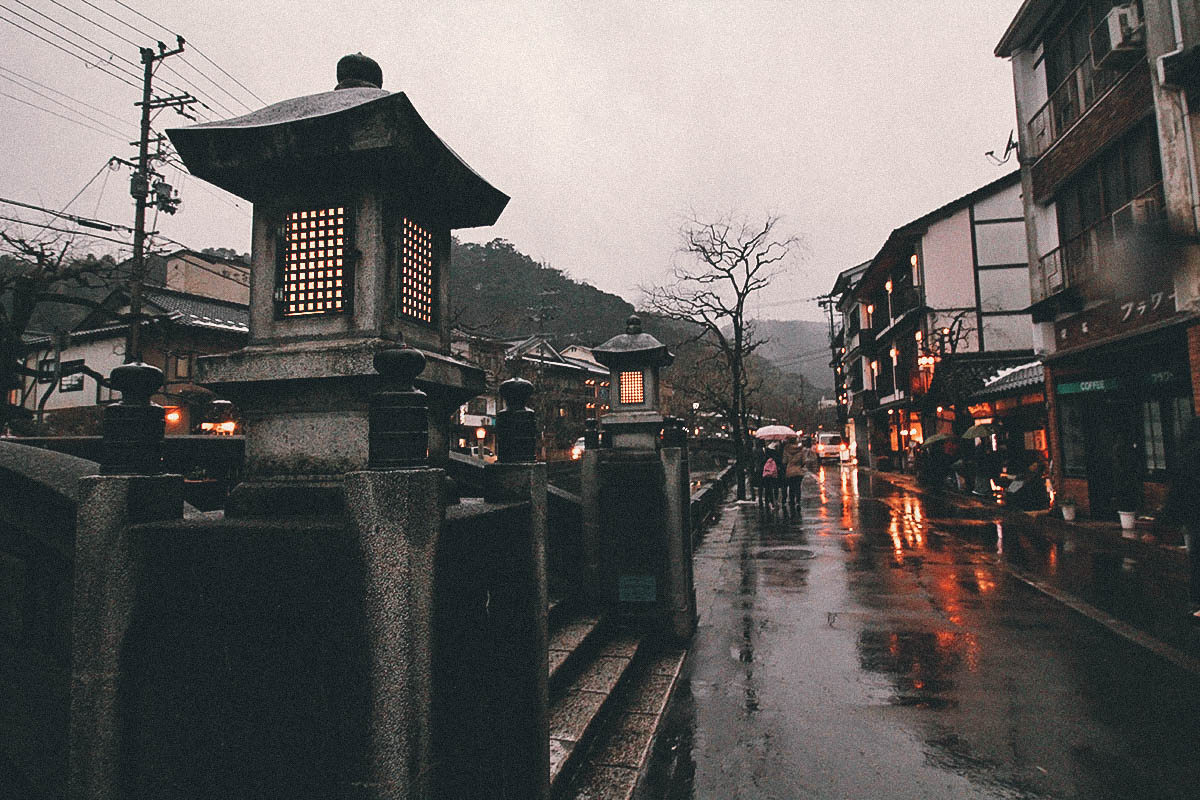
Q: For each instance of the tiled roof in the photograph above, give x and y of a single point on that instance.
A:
(1012, 379)
(200, 312)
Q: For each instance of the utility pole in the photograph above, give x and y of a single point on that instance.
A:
(139, 187)
(827, 302)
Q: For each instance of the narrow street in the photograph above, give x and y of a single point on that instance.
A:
(877, 646)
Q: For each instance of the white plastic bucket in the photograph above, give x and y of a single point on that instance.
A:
(1128, 518)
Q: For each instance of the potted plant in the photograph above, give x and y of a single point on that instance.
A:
(1066, 504)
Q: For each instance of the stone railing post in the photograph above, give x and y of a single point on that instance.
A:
(131, 489)
(395, 513)
(679, 594)
(590, 530)
(518, 684)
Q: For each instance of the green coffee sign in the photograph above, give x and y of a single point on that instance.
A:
(1078, 387)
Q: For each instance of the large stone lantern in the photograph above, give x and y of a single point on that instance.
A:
(354, 201)
(634, 359)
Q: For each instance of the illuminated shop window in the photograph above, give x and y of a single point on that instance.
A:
(632, 389)
(416, 273)
(314, 265)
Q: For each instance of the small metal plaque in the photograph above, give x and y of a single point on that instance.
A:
(637, 589)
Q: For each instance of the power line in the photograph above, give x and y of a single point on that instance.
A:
(68, 29)
(60, 116)
(69, 108)
(247, 89)
(113, 54)
(86, 185)
(64, 230)
(125, 39)
(100, 66)
(62, 94)
(87, 221)
(195, 49)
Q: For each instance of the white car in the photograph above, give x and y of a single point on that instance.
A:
(831, 447)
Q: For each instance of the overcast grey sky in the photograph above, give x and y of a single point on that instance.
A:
(604, 122)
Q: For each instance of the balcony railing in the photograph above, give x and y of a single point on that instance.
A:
(1074, 96)
(1082, 258)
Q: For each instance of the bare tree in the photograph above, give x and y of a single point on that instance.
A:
(30, 274)
(727, 261)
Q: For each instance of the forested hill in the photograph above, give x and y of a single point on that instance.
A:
(497, 290)
(798, 347)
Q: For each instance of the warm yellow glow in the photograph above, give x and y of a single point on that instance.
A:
(314, 280)
(917, 336)
(633, 390)
(481, 433)
(173, 415)
(888, 285)
(227, 427)
(870, 309)
(416, 273)
(913, 259)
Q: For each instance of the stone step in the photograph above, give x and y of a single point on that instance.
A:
(577, 713)
(619, 756)
(571, 636)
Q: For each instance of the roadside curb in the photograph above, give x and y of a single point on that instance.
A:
(1170, 558)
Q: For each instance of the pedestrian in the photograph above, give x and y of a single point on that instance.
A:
(758, 455)
(793, 470)
(770, 477)
(1183, 508)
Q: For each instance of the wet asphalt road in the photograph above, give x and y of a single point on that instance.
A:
(875, 646)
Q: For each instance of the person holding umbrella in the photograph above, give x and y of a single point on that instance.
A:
(793, 472)
(772, 473)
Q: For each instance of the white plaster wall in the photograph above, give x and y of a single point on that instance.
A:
(101, 355)
(949, 270)
(1004, 289)
(1001, 243)
(1004, 204)
(1008, 333)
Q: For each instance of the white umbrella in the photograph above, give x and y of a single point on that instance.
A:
(775, 433)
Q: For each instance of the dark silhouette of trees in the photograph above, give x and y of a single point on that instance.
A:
(726, 261)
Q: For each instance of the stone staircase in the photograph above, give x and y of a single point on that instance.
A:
(609, 690)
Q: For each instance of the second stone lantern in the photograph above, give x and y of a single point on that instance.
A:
(354, 201)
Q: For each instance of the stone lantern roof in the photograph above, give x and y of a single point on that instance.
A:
(633, 348)
(337, 141)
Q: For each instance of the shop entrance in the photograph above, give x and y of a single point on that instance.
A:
(1114, 463)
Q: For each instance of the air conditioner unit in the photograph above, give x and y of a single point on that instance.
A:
(1119, 40)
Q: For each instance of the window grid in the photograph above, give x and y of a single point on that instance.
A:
(633, 391)
(416, 273)
(314, 270)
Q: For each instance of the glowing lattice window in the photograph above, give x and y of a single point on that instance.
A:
(417, 273)
(314, 263)
(632, 389)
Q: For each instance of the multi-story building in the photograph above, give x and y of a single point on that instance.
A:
(198, 304)
(569, 387)
(942, 305)
(1104, 93)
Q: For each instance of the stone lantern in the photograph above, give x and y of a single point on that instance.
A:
(635, 359)
(354, 201)
(636, 510)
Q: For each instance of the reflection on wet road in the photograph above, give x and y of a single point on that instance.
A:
(874, 646)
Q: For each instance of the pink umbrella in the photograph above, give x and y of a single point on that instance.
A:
(775, 433)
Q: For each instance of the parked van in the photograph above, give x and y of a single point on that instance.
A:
(831, 447)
